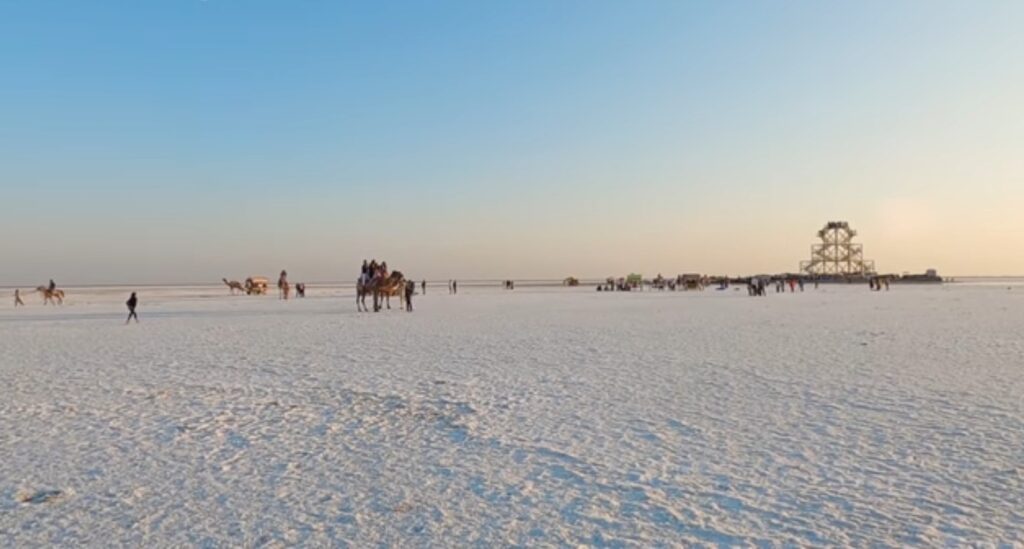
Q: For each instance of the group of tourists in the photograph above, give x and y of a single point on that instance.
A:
(758, 285)
(371, 270)
(875, 283)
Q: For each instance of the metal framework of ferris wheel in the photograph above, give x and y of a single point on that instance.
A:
(837, 254)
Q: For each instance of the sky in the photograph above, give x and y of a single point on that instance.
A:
(189, 140)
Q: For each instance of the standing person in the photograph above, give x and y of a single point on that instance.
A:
(455, 286)
(424, 286)
(132, 303)
(410, 288)
(282, 285)
(17, 298)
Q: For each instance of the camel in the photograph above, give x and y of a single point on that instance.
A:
(387, 287)
(234, 286)
(51, 296)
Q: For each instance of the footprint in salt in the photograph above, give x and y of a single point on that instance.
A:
(41, 496)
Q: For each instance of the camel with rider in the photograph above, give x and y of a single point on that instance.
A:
(381, 288)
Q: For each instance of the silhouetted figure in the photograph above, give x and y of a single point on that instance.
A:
(17, 298)
(283, 287)
(410, 288)
(455, 286)
(424, 286)
(53, 285)
(132, 303)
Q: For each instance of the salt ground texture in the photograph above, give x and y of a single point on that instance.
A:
(539, 417)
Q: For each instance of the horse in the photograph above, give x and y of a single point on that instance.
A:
(234, 286)
(54, 296)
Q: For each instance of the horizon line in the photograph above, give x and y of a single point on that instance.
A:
(463, 281)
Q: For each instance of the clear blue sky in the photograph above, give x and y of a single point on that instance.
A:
(187, 140)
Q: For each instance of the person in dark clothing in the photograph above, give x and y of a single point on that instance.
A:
(17, 298)
(410, 289)
(424, 286)
(53, 285)
(132, 303)
(455, 286)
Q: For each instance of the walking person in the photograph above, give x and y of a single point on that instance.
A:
(424, 286)
(410, 289)
(17, 298)
(132, 302)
